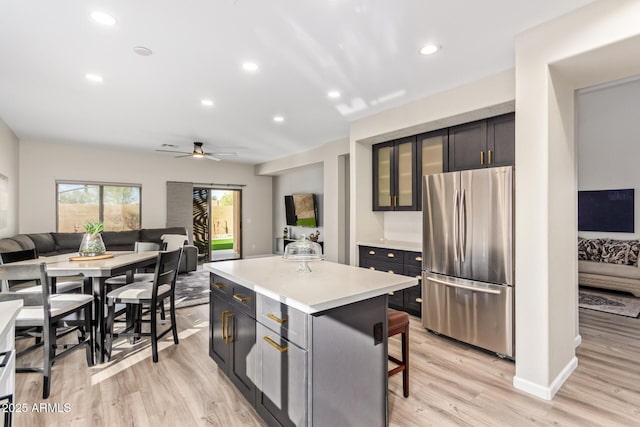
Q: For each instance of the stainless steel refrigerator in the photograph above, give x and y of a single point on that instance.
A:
(468, 271)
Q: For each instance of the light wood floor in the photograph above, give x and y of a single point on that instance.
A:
(451, 384)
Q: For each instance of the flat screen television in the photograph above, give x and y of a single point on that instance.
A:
(606, 210)
(301, 210)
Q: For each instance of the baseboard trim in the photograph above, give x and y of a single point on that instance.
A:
(578, 340)
(543, 392)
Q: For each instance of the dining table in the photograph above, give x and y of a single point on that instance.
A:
(97, 271)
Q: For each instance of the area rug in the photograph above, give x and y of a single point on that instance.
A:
(609, 302)
(192, 289)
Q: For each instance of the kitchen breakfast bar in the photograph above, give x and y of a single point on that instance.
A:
(304, 348)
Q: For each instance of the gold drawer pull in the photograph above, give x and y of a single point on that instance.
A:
(226, 334)
(418, 299)
(372, 268)
(275, 345)
(418, 258)
(390, 255)
(372, 252)
(276, 318)
(482, 157)
(490, 157)
(390, 271)
(219, 285)
(240, 298)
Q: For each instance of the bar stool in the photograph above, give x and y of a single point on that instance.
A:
(398, 323)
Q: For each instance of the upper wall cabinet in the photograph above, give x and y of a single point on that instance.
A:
(481, 144)
(432, 155)
(394, 175)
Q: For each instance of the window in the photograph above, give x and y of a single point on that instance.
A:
(116, 205)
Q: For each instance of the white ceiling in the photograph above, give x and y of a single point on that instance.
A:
(366, 49)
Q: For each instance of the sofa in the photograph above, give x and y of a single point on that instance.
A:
(609, 264)
(49, 244)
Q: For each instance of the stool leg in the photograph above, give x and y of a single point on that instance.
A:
(405, 359)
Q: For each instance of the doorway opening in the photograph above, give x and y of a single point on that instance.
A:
(217, 223)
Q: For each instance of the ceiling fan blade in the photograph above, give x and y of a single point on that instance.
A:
(185, 155)
(210, 157)
(172, 151)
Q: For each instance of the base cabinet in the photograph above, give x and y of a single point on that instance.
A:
(282, 380)
(298, 369)
(232, 335)
(407, 263)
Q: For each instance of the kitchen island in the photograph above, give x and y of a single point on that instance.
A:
(304, 348)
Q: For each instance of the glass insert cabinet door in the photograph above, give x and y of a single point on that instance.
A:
(394, 175)
(382, 179)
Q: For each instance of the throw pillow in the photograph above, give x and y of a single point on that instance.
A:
(590, 249)
(174, 241)
(615, 251)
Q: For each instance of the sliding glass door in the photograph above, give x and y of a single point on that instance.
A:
(217, 225)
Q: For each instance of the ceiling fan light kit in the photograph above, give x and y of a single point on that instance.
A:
(197, 153)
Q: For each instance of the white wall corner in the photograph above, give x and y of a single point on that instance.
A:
(546, 392)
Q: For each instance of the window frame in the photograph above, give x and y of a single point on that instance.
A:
(101, 185)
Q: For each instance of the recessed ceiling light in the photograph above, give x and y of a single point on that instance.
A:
(142, 51)
(278, 119)
(95, 78)
(334, 94)
(103, 18)
(429, 49)
(250, 66)
(207, 102)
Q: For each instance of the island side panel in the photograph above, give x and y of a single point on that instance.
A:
(349, 365)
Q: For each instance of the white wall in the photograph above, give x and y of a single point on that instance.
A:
(608, 144)
(483, 98)
(331, 156)
(591, 45)
(9, 157)
(41, 164)
(305, 179)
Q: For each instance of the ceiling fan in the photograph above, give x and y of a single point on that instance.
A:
(197, 152)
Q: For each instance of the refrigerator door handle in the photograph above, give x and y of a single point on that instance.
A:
(456, 225)
(469, 288)
(463, 225)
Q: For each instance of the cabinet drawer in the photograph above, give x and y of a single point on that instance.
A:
(413, 300)
(220, 286)
(413, 271)
(396, 300)
(282, 379)
(283, 320)
(243, 299)
(389, 255)
(413, 259)
(389, 267)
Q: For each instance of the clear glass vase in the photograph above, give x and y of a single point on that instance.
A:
(92, 245)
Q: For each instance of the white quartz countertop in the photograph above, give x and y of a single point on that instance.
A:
(329, 285)
(392, 244)
(8, 311)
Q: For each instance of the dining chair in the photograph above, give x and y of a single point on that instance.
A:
(56, 315)
(25, 286)
(121, 280)
(149, 295)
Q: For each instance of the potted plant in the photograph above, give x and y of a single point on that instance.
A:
(92, 244)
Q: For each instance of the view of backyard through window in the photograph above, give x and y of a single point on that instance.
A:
(118, 207)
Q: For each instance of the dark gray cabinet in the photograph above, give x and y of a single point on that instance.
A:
(300, 369)
(397, 261)
(233, 333)
(482, 144)
(394, 175)
(398, 166)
